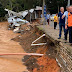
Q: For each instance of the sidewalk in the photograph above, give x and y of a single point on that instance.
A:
(54, 34)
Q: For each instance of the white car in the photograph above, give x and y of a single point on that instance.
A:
(17, 21)
(52, 17)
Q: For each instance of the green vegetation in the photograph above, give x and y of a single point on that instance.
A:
(21, 5)
(2, 11)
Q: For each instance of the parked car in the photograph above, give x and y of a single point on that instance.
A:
(52, 17)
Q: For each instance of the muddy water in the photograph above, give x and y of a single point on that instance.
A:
(10, 63)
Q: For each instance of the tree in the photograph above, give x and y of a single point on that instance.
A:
(52, 5)
(2, 11)
(21, 5)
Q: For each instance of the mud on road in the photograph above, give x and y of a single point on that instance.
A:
(10, 63)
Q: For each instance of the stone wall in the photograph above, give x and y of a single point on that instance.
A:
(64, 58)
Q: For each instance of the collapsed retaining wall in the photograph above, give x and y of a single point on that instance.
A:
(65, 58)
(56, 50)
(63, 55)
(45, 63)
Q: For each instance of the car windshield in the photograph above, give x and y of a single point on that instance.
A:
(53, 15)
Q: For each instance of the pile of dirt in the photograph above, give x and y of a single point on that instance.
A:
(26, 40)
(37, 21)
(42, 49)
(47, 64)
(31, 63)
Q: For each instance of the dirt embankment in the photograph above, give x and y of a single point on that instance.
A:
(47, 63)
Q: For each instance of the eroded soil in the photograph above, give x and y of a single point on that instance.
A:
(46, 63)
(10, 63)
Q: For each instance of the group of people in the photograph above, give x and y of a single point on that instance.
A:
(64, 21)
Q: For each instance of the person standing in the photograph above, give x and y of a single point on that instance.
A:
(48, 18)
(66, 16)
(41, 15)
(69, 23)
(61, 22)
(55, 21)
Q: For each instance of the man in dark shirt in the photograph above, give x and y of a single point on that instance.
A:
(61, 22)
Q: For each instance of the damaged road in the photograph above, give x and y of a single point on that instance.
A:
(21, 43)
(10, 63)
(46, 63)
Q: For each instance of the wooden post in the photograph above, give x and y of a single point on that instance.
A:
(58, 5)
(68, 2)
(10, 4)
(43, 13)
(71, 2)
(30, 17)
(58, 8)
(43, 8)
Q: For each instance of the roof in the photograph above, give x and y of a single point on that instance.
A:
(38, 8)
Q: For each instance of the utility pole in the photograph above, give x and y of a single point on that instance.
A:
(10, 1)
(71, 2)
(68, 2)
(58, 8)
(58, 5)
(43, 8)
(44, 21)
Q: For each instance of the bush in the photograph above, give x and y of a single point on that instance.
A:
(2, 11)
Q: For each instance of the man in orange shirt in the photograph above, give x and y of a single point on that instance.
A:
(69, 22)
